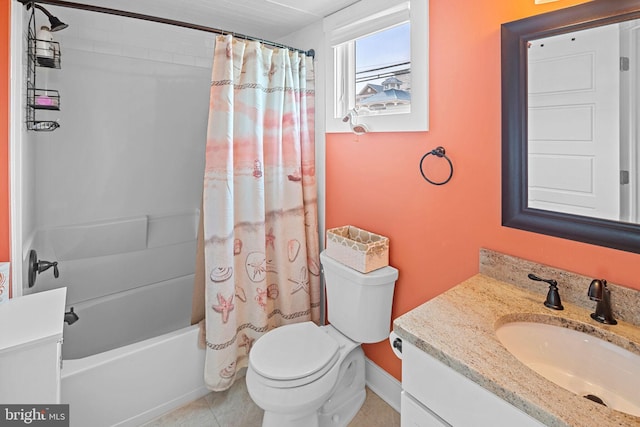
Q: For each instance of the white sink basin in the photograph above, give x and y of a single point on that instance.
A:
(581, 363)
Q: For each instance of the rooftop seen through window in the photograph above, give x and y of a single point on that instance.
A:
(383, 71)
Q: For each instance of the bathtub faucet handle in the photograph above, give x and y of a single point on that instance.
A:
(45, 265)
(37, 266)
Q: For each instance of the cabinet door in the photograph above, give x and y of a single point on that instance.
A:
(31, 374)
(30, 348)
(453, 397)
(413, 414)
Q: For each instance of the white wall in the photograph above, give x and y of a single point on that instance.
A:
(117, 188)
(134, 105)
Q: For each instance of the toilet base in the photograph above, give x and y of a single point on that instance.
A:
(343, 404)
(349, 393)
(343, 415)
(272, 419)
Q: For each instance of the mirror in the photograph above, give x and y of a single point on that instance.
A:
(551, 146)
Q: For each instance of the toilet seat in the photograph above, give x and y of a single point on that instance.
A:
(294, 355)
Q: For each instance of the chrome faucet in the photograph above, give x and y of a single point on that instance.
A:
(598, 291)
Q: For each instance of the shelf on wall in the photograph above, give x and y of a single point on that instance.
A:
(42, 125)
(43, 99)
(43, 54)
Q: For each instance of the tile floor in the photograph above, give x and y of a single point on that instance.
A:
(234, 408)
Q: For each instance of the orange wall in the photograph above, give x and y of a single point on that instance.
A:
(5, 14)
(435, 233)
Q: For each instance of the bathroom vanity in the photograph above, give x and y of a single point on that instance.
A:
(455, 370)
(31, 348)
(435, 395)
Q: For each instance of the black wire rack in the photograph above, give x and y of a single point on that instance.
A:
(46, 54)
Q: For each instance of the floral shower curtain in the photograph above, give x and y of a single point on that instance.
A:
(260, 201)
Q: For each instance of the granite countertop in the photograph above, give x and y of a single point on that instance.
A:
(458, 328)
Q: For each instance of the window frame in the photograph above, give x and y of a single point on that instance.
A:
(341, 30)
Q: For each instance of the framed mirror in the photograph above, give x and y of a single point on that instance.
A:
(571, 126)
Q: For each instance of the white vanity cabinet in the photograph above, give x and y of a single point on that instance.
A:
(435, 395)
(31, 348)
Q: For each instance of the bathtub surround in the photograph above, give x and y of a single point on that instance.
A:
(121, 224)
(121, 319)
(260, 201)
(114, 194)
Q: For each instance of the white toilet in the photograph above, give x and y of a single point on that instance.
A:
(304, 375)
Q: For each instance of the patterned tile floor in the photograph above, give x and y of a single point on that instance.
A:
(234, 408)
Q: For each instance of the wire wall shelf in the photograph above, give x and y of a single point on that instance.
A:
(40, 54)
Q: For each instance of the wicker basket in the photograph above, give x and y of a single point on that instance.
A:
(356, 248)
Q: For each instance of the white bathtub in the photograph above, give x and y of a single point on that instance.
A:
(134, 384)
(127, 384)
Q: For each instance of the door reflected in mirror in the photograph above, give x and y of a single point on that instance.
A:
(583, 155)
(564, 172)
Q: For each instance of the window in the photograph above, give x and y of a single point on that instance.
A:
(379, 66)
(383, 72)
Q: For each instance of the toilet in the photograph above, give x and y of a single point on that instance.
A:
(304, 375)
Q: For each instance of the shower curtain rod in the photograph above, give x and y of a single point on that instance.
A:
(173, 22)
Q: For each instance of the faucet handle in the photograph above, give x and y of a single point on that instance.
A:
(551, 282)
(597, 288)
(553, 296)
(45, 265)
(38, 266)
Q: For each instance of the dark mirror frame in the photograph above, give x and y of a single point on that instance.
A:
(515, 212)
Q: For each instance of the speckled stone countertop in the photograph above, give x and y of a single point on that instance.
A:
(458, 328)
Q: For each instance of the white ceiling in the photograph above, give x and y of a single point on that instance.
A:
(266, 19)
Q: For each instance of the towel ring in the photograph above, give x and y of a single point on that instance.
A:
(439, 152)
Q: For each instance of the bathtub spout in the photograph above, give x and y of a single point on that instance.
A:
(70, 317)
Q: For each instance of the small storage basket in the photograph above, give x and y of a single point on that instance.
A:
(356, 248)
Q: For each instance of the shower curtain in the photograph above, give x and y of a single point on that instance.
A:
(260, 201)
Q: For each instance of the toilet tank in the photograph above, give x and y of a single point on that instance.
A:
(359, 304)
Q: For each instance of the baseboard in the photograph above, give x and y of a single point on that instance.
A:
(384, 385)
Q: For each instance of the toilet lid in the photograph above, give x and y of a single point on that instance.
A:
(294, 351)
